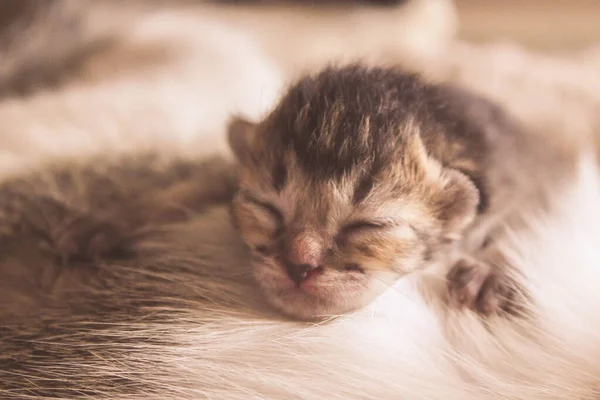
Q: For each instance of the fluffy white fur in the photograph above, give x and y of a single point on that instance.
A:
(190, 324)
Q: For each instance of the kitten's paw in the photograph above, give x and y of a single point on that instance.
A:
(483, 289)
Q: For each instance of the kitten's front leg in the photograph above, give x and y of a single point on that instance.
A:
(483, 288)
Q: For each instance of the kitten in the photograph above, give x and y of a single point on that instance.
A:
(363, 175)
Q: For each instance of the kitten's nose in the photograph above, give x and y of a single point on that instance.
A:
(302, 254)
(303, 248)
(298, 273)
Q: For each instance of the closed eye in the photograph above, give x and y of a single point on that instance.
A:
(268, 207)
(360, 226)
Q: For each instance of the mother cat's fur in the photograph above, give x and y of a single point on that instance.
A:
(176, 315)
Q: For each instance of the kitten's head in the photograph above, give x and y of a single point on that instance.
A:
(338, 197)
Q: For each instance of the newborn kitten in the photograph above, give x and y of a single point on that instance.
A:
(363, 175)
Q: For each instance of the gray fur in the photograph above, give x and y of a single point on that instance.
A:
(91, 246)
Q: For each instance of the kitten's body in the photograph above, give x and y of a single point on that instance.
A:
(361, 176)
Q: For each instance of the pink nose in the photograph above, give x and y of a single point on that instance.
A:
(302, 254)
(304, 249)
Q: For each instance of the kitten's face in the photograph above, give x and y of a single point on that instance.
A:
(324, 245)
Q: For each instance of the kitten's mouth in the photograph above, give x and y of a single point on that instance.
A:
(304, 277)
(320, 292)
(304, 281)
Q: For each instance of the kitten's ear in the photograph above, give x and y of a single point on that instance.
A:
(455, 196)
(240, 135)
(457, 202)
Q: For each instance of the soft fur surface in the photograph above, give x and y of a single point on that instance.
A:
(183, 319)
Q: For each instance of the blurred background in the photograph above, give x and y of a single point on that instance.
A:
(86, 76)
(554, 25)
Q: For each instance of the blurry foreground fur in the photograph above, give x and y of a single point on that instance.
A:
(178, 316)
